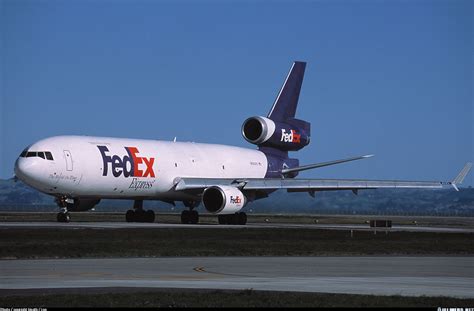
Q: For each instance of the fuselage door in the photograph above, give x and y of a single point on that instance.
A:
(68, 157)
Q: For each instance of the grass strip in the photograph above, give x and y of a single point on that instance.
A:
(223, 298)
(19, 243)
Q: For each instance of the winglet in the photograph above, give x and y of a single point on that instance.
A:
(462, 174)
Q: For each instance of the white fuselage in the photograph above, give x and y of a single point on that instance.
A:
(105, 167)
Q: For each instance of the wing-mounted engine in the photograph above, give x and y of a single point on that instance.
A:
(223, 200)
(291, 135)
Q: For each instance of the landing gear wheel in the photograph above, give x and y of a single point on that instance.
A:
(189, 217)
(194, 217)
(242, 218)
(185, 217)
(140, 216)
(63, 217)
(150, 216)
(130, 216)
(223, 219)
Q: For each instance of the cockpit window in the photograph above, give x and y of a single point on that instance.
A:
(49, 156)
(41, 154)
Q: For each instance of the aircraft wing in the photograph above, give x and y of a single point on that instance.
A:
(302, 184)
(312, 185)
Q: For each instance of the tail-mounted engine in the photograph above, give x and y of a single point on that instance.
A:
(223, 200)
(291, 135)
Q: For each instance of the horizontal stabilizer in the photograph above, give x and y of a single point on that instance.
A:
(322, 164)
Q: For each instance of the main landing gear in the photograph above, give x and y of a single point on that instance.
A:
(63, 215)
(190, 216)
(138, 214)
(233, 219)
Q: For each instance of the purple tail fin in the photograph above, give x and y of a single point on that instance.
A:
(286, 102)
(283, 115)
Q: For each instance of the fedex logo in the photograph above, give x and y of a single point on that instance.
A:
(292, 137)
(235, 200)
(137, 166)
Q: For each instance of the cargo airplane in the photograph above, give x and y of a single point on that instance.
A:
(81, 170)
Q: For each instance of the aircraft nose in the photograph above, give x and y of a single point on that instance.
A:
(21, 168)
(28, 170)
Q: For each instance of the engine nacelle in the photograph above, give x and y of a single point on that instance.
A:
(223, 200)
(81, 205)
(257, 130)
(289, 136)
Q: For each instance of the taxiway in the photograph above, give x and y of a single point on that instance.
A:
(374, 275)
(126, 225)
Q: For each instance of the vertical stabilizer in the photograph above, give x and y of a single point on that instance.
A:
(286, 102)
(280, 132)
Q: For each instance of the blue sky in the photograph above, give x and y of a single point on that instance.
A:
(392, 78)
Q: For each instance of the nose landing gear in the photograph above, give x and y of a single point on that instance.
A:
(63, 215)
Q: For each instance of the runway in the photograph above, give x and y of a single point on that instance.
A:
(123, 225)
(406, 276)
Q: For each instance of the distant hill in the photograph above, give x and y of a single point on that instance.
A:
(18, 193)
(447, 202)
